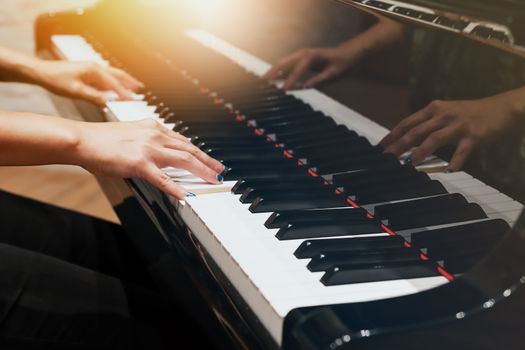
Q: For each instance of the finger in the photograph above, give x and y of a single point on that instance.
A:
(186, 161)
(405, 125)
(159, 179)
(127, 80)
(214, 164)
(175, 135)
(297, 73)
(432, 143)
(88, 93)
(414, 137)
(325, 75)
(461, 155)
(105, 81)
(282, 67)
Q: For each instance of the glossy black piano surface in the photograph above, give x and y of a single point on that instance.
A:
(482, 306)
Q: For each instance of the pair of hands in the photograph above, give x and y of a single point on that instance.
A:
(464, 124)
(129, 149)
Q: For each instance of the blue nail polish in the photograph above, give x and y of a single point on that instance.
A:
(449, 171)
(190, 194)
(220, 178)
(408, 160)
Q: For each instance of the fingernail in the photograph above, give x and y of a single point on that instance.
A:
(220, 178)
(408, 160)
(449, 171)
(190, 194)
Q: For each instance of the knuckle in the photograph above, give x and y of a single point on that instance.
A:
(149, 123)
(164, 182)
(436, 104)
(407, 139)
(185, 157)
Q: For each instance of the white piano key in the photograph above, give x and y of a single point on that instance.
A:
(75, 48)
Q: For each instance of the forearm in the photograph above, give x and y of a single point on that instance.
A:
(18, 67)
(29, 139)
(383, 34)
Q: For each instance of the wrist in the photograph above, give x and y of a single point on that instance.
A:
(34, 72)
(29, 69)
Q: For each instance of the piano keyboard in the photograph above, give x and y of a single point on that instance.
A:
(311, 212)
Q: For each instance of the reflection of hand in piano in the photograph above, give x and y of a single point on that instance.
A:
(464, 124)
(330, 63)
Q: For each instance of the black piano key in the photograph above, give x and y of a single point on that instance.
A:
(333, 166)
(283, 218)
(246, 155)
(471, 211)
(276, 174)
(308, 133)
(431, 204)
(326, 260)
(383, 184)
(341, 274)
(243, 184)
(317, 152)
(324, 229)
(226, 139)
(182, 126)
(374, 174)
(458, 249)
(294, 125)
(461, 264)
(271, 106)
(250, 194)
(405, 191)
(270, 120)
(251, 147)
(496, 227)
(309, 146)
(311, 248)
(210, 133)
(256, 113)
(266, 101)
(202, 116)
(262, 205)
(307, 137)
(264, 162)
(207, 130)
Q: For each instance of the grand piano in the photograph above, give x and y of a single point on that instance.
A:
(316, 239)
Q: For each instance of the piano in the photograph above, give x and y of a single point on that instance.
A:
(316, 239)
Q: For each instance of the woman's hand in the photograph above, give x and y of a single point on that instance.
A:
(328, 63)
(84, 80)
(465, 124)
(140, 150)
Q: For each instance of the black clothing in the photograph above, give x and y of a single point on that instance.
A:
(60, 286)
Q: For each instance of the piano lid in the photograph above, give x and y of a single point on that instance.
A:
(495, 23)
